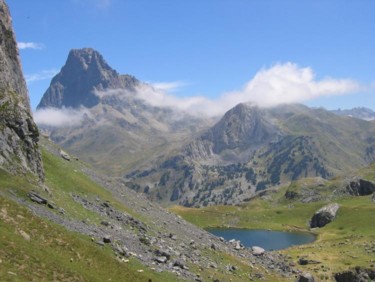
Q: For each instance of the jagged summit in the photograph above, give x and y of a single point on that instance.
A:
(84, 72)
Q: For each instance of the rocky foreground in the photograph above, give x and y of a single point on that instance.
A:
(159, 239)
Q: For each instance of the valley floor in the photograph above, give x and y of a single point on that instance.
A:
(346, 243)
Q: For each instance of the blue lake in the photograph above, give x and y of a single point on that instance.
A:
(268, 240)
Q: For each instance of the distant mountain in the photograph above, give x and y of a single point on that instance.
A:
(177, 158)
(119, 130)
(18, 133)
(251, 148)
(84, 72)
(359, 112)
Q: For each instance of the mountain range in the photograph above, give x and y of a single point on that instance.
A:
(175, 157)
(62, 220)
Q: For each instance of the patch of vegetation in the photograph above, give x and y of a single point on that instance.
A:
(348, 241)
(34, 249)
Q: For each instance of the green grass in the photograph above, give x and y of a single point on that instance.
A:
(51, 253)
(54, 253)
(340, 245)
(35, 249)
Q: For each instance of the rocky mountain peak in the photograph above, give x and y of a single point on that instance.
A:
(88, 60)
(18, 132)
(84, 72)
(242, 127)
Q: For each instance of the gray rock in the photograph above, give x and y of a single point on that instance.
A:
(324, 215)
(37, 198)
(19, 135)
(64, 155)
(305, 277)
(290, 195)
(303, 261)
(163, 253)
(361, 187)
(161, 259)
(107, 239)
(257, 251)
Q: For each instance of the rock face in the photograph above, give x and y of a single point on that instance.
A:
(241, 131)
(361, 187)
(84, 72)
(324, 216)
(18, 132)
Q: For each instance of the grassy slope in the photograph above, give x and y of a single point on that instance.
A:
(53, 253)
(340, 245)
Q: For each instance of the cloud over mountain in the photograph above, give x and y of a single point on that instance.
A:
(60, 117)
(280, 84)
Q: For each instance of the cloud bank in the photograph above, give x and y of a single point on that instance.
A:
(280, 84)
(30, 45)
(60, 117)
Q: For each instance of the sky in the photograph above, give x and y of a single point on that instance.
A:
(213, 53)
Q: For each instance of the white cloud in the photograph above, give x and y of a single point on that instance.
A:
(64, 117)
(280, 84)
(288, 83)
(30, 45)
(169, 86)
(42, 75)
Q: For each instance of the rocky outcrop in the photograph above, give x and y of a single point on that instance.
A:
(356, 275)
(84, 72)
(324, 216)
(305, 277)
(361, 187)
(18, 132)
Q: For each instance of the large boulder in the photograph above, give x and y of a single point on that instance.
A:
(305, 277)
(361, 187)
(257, 251)
(324, 216)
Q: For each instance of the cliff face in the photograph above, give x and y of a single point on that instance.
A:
(18, 132)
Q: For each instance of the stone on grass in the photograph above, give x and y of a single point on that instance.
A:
(257, 251)
(305, 277)
(324, 215)
(107, 239)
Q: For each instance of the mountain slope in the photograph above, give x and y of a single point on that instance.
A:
(250, 149)
(358, 112)
(77, 225)
(118, 130)
(18, 132)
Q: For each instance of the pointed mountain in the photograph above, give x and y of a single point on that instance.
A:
(84, 72)
(18, 132)
(238, 133)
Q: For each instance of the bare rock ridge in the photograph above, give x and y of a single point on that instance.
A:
(18, 132)
(84, 72)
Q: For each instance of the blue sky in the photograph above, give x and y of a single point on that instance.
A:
(211, 48)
